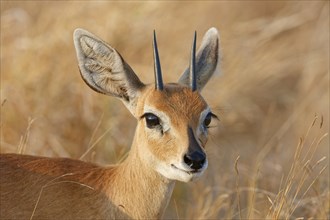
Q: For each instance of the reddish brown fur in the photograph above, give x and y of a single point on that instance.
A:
(141, 186)
(184, 106)
(59, 188)
(175, 100)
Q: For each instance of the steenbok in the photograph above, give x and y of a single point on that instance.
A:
(169, 143)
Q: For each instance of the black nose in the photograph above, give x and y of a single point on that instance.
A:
(195, 160)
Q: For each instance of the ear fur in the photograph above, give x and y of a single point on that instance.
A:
(104, 69)
(207, 60)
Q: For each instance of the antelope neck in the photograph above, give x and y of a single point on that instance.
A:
(142, 185)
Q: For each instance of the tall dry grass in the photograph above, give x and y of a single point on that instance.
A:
(269, 154)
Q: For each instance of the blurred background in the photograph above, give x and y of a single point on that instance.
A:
(268, 154)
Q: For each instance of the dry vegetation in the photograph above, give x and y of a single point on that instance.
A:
(269, 153)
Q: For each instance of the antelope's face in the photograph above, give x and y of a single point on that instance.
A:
(173, 124)
(173, 119)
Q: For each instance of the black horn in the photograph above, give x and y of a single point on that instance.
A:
(192, 73)
(157, 67)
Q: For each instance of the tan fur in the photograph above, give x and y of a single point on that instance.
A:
(58, 188)
(185, 107)
(140, 187)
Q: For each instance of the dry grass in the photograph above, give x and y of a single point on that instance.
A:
(275, 84)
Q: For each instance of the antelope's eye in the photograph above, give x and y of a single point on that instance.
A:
(151, 120)
(207, 120)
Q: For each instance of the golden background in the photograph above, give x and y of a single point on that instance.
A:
(272, 94)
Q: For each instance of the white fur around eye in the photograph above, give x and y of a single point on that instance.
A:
(165, 121)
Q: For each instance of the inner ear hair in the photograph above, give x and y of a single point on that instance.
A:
(104, 69)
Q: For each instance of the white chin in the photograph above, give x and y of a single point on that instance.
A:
(180, 172)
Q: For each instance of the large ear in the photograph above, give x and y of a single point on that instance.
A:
(207, 60)
(104, 70)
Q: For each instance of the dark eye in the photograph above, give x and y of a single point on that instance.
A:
(207, 120)
(151, 120)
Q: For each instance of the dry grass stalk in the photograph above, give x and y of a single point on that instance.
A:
(275, 66)
(52, 183)
(237, 188)
(25, 138)
(301, 170)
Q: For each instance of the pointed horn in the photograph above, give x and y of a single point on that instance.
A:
(157, 67)
(192, 72)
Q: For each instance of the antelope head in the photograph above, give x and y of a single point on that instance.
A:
(173, 118)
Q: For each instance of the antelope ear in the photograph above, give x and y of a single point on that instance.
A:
(207, 60)
(104, 70)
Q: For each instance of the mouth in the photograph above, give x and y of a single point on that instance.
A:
(190, 172)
